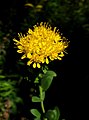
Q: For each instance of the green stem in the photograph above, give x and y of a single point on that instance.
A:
(42, 104)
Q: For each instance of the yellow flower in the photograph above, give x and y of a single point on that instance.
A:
(41, 45)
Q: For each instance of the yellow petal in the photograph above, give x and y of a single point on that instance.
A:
(51, 58)
(24, 56)
(61, 55)
(29, 55)
(16, 40)
(30, 31)
(47, 61)
(29, 62)
(34, 65)
(59, 58)
(29, 4)
(20, 47)
(38, 65)
(19, 51)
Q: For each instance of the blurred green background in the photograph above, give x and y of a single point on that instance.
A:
(70, 89)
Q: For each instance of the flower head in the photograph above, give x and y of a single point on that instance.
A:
(41, 45)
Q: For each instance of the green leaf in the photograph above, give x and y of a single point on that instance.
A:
(2, 76)
(6, 94)
(51, 73)
(57, 113)
(53, 114)
(47, 79)
(5, 84)
(36, 113)
(50, 115)
(18, 100)
(37, 119)
(46, 82)
(36, 99)
(13, 108)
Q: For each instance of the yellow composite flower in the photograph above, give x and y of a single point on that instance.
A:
(41, 45)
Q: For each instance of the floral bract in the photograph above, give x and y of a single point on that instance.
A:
(41, 45)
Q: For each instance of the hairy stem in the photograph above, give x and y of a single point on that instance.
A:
(42, 104)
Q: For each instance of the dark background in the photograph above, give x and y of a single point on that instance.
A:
(69, 91)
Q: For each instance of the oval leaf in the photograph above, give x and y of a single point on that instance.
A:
(57, 113)
(53, 114)
(36, 113)
(47, 79)
(46, 82)
(51, 73)
(36, 99)
(50, 115)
